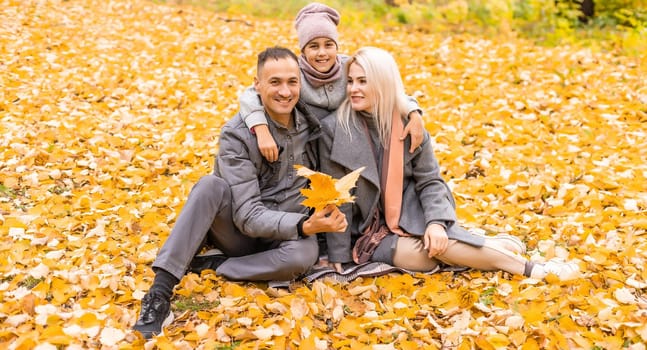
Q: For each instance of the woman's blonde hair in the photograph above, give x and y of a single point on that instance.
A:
(384, 80)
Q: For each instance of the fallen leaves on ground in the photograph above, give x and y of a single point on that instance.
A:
(111, 111)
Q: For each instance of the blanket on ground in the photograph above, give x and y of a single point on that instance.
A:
(367, 269)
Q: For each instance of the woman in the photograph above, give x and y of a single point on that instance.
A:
(404, 212)
(323, 86)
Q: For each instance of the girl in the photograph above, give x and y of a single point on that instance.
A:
(323, 86)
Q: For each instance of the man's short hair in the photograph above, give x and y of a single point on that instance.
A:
(276, 52)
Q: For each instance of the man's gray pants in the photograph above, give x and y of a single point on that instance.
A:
(207, 219)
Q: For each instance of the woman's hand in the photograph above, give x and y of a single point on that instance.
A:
(336, 266)
(324, 262)
(415, 129)
(435, 240)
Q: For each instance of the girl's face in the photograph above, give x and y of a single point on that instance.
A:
(321, 53)
(357, 89)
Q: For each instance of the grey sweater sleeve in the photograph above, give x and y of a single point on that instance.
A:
(413, 105)
(251, 108)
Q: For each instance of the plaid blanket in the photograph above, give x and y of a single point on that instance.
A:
(368, 269)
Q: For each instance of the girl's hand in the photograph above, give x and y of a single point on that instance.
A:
(415, 129)
(266, 143)
(435, 240)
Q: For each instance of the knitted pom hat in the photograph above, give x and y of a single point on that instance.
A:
(316, 20)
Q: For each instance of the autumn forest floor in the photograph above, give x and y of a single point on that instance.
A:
(110, 111)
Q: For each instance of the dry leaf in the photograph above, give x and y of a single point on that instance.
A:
(109, 120)
(325, 190)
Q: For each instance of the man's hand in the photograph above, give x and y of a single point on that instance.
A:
(414, 129)
(435, 240)
(329, 219)
(266, 143)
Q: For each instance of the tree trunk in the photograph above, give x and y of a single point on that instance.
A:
(588, 10)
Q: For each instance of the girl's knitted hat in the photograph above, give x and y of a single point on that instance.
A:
(315, 21)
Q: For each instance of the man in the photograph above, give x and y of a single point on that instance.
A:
(249, 209)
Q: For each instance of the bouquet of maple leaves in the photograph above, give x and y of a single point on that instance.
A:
(325, 190)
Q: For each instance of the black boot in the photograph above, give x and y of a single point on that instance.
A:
(154, 315)
(207, 261)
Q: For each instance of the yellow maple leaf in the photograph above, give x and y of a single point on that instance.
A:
(467, 297)
(325, 190)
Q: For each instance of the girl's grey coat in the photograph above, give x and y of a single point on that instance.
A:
(426, 197)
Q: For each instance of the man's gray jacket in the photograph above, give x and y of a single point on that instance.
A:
(266, 198)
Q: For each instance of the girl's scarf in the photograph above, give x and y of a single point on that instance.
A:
(315, 77)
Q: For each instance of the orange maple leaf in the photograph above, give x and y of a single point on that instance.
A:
(325, 190)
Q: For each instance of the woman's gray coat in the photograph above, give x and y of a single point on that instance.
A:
(426, 197)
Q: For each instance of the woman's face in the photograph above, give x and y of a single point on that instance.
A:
(357, 89)
(321, 53)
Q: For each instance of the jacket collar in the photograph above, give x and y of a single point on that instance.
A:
(300, 114)
(355, 152)
(313, 123)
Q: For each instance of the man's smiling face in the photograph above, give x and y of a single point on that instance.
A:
(278, 85)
